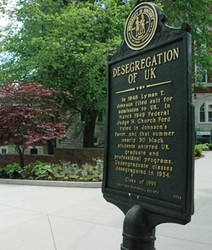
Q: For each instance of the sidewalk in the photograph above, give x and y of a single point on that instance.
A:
(198, 233)
(58, 218)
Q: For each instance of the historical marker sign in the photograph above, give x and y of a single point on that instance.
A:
(149, 150)
(141, 26)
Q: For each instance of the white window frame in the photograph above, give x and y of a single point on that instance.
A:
(207, 109)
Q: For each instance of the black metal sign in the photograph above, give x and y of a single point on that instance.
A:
(149, 141)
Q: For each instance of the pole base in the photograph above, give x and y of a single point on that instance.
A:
(137, 234)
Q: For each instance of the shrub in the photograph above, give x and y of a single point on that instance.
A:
(99, 168)
(41, 170)
(93, 173)
(197, 151)
(13, 171)
(63, 171)
(2, 173)
(203, 146)
(210, 146)
(67, 171)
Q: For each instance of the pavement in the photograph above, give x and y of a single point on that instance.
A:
(68, 218)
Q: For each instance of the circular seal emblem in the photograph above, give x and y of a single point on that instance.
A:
(141, 26)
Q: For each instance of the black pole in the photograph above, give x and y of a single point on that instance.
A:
(137, 233)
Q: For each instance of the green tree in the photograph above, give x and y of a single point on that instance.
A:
(65, 46)
(198, 15)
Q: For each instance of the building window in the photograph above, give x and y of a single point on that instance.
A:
(210, 114)
(33, 151)
(3, 150)
(206, 112)
(202, 113)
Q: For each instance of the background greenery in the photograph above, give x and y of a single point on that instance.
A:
(68, 171)
(64, 44)
(63, 171)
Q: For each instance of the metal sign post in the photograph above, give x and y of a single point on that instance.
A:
(148, 169)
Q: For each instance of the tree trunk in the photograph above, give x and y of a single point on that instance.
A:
(50, 146)
(20, 151)
(89, 129)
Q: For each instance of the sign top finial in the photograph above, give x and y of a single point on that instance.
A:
(141, 26)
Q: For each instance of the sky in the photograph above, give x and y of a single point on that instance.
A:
(4, 20)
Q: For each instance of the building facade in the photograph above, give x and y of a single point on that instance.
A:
(202, 100)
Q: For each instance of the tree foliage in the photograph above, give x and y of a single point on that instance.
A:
(198, 15)
(64, 44)
(29, 115)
